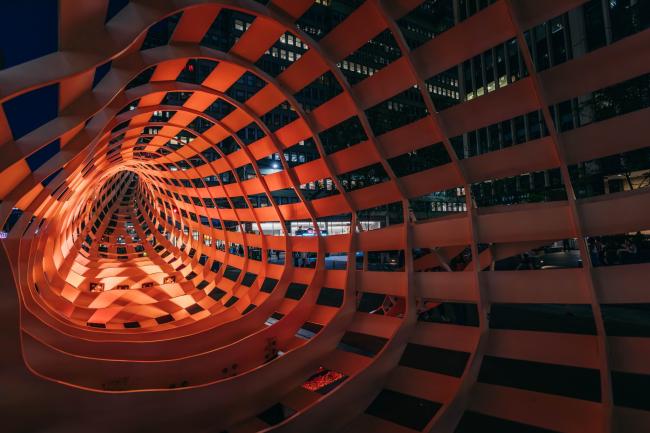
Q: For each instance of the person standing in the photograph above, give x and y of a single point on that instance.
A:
(526, 262)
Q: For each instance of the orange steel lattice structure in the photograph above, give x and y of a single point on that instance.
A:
(138, 303)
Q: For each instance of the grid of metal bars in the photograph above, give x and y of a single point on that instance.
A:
(259, 335)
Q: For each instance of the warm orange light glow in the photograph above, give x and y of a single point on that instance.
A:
(192, 267)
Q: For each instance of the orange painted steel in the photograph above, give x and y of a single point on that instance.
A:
(99, 339)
